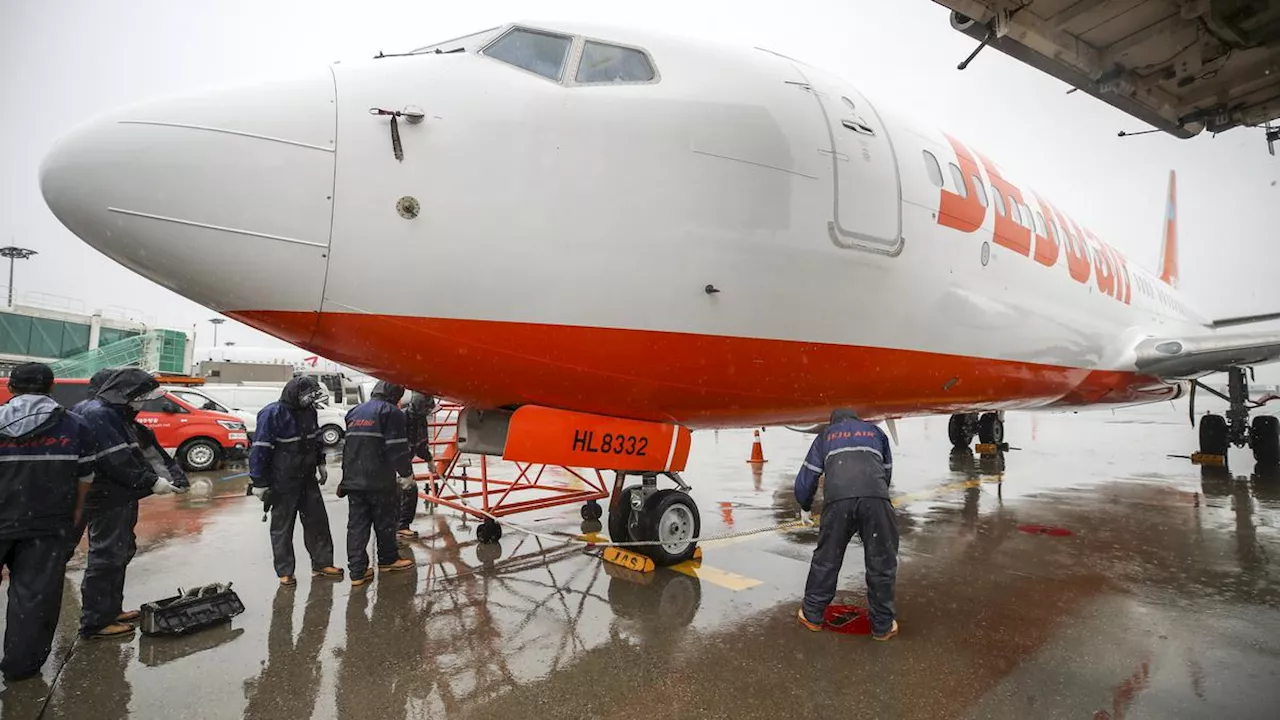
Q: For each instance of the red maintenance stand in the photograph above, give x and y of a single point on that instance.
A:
(497, 463)
(500, 487)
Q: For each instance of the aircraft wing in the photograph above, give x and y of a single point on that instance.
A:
(1186, 358)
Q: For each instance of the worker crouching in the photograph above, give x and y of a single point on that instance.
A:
(287, 467)
(376, 452)
(854, 457)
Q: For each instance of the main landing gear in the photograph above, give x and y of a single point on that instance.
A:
(1218, 433)
(989, 427)
(644, 513)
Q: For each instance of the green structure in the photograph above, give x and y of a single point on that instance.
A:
(77, 346)
(162, 351)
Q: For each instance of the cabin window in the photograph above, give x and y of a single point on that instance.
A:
(1015, 210)
(1000, 208)
(604, 63)
(932, 167)
(537, 52)
(958, 177)
(982, 190)
(1041, 230)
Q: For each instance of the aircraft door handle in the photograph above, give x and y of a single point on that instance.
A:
(858, 126)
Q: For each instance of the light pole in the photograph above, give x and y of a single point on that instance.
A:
(216, 322)
(14, 253)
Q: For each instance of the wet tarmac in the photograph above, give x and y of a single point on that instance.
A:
(1163, 601)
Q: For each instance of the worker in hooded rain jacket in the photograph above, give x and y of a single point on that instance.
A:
(161, 461)
(855, 459)
(287, 468)
(124, 476)
(46, 470)
(417, 417)
(376, 452)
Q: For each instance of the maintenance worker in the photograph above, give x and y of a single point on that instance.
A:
(46, 469)
(287, 468)
(124, 476)
(377, 450)
(855, 459)
(160, 460)
(417, 417)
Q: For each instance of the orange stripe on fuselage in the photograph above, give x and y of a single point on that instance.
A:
(696, 380)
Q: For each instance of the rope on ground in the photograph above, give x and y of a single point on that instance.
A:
(561, 537)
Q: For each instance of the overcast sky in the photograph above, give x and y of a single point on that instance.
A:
(62, 61)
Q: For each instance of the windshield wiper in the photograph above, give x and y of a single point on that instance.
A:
(437, 51)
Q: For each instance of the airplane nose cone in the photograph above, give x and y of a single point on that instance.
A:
(224, 197)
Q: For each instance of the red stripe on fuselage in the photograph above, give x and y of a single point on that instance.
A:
(696, 380)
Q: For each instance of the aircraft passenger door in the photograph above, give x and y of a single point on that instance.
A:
(867, 196)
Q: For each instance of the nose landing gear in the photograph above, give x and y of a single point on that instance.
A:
(1218, 433)
(645, 513)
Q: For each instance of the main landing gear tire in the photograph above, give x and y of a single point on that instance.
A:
(960, 430)
(670, 517)
(1213, 435)
(489, 531)
(1264, 437)
(620, 521)
(991, 429)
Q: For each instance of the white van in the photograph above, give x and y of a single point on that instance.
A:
(244, 401)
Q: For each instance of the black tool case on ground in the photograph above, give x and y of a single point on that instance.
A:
(190, 610)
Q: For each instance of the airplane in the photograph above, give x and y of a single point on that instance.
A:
(624, 235)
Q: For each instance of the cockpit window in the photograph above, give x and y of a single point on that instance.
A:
(603, 63)
(537, 52)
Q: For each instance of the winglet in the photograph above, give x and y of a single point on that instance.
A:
(1169, 248)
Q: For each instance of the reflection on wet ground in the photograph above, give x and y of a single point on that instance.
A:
(1162, 601)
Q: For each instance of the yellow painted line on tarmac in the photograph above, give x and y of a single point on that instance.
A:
(716, 576)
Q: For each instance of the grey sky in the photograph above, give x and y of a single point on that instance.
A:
(66, 60)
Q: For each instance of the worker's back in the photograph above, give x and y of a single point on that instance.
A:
(858, 461)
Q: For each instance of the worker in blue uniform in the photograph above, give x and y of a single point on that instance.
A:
(854, 458)
(376, 452)
(124, 476)
(160, 460)
(46, 469)
(286, 470)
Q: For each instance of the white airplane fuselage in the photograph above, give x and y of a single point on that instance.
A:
(743, 240)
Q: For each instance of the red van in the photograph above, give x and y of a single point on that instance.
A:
(200, 439)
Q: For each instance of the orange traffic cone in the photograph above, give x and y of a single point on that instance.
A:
(757, 451)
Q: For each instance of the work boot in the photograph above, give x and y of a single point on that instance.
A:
(892, 631)
(113, 630)
(128, 616)
(358, 581)
(406, 534)
(815, 627)
(17, 677)
(401, 564)
(288, 580)
(329, 573)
